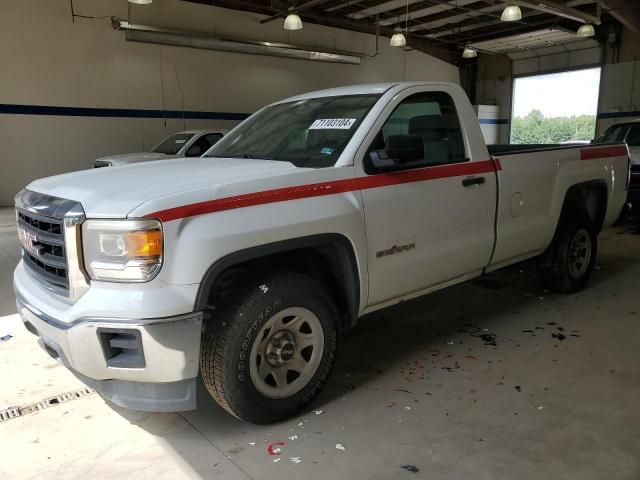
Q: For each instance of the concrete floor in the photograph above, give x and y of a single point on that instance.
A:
(420, 384)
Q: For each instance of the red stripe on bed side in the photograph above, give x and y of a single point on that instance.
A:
(603, 152)
(327, 188)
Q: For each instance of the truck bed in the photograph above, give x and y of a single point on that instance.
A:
(513, 149)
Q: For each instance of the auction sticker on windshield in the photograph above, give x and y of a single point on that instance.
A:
(333, 123)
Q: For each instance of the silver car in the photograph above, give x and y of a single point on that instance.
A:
(189, 143)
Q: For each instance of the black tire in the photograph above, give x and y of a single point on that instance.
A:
(228, 341)
(567, 271)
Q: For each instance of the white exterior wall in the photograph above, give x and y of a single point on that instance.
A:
(48, 60)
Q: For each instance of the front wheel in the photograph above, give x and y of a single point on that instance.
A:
(268, 352)
(573, 253)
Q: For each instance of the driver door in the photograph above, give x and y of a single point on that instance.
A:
(430, 218)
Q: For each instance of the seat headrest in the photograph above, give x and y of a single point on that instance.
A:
(422, 123)
(428, 127)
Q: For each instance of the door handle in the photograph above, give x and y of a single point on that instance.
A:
(473, 181)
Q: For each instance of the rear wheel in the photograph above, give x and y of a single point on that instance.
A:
(572, 254)
(267, 353)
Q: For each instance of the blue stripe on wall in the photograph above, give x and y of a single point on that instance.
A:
(605, 115)
(493, 121)
(8, 108)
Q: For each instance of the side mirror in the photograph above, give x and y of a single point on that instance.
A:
(194, 151)
(400, 149)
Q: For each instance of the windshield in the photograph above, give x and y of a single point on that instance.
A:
(308, 133)
(173, 144)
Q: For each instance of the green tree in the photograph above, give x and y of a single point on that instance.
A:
(536, 128)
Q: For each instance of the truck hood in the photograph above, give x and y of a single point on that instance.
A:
(115, 192)
(128, 158)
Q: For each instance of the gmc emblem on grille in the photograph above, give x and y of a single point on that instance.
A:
(29, 242)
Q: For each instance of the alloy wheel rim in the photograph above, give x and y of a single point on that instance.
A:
(286, 352)
(579, 253)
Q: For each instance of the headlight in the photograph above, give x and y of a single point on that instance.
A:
(122, 250)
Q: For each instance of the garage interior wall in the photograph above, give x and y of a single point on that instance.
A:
(619, 87)
(88, 64)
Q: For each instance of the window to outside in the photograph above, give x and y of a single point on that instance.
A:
(555, 108)
(432, 120)
(308, 133)
(173, 144)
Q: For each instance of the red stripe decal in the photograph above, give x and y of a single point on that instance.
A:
(603, 152)
(327, 188)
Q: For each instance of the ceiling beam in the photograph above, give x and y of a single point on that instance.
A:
(449, 12)
(298, 9)
(505, 30)
(441, 50)
(349, 8)
(557, 9)
(627, 12)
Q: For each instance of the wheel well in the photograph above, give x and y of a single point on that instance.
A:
(327, 258)
(590, 197)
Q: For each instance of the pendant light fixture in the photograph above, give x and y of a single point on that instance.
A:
(292, 22)
(398, 39)
(469, 52)
(511, 13)
(586, 31)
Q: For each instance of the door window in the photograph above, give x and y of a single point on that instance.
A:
(422, 131)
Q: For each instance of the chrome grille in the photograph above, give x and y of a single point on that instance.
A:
(49, 234)
(43, 249)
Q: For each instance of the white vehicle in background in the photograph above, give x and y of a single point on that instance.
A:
(189, 143)
(629, 133)
(245, 265)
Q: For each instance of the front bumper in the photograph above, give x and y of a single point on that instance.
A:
(142, 364)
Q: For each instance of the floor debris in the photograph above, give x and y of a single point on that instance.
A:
(339, 446)
(400, 390)
(295, 459)
(274, 448)
(318, 412)
(410, 468)
(6, 338)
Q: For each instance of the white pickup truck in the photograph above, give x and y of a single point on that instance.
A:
(245, 267)
(189, 143)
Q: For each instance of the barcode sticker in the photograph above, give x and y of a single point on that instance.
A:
(333, 123)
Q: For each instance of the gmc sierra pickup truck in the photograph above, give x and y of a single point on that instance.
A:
(244, 266)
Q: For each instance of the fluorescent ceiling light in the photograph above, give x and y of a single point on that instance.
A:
(586, 31)
(141, 2)
(469, 53)
(292, 22)
(511, 14)
(398, 40)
